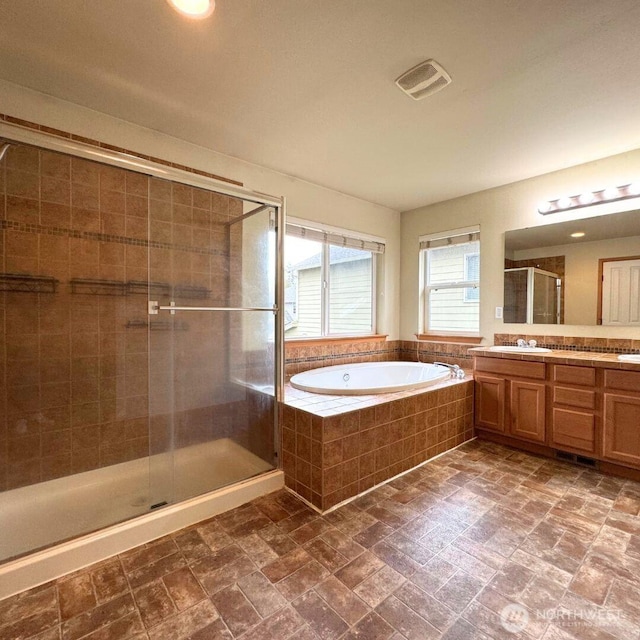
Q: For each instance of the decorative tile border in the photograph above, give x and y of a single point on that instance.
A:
(103, 145)
(105, 237)
(573, 343)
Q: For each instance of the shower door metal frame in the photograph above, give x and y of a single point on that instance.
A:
(16, 133)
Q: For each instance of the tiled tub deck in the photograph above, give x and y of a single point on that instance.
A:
(336, 447)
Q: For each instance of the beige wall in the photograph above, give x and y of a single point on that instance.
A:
(304, 200)
(501, 209)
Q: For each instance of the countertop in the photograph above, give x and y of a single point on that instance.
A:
(580, 358)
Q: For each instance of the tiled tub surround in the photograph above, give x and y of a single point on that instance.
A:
(305, 355)
(434, 555)
(336, 447)
(74, 362)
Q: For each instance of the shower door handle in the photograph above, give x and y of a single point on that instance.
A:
(154, 308)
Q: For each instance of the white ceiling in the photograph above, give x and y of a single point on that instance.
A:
(307, 86)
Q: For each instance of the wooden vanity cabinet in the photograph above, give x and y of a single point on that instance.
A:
(589, 412)
(621, 428)
(510, 397)
(574, 416)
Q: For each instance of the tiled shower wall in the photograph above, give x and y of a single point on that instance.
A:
(74, 356)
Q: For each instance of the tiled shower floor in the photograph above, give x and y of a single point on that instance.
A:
(438, 553)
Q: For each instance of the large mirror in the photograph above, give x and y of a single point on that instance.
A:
(581, 272)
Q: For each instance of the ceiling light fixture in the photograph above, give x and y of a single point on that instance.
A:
(578, 234)
(610, 194)
(197, 9)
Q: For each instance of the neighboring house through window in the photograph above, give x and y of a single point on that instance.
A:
(450, 277)
(330, 277)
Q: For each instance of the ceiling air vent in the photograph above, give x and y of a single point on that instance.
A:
(423, 80)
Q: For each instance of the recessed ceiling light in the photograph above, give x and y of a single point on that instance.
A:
(194, 8)
(578, 234)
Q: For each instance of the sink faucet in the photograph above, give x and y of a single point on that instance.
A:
(456, 371)
(523, 344)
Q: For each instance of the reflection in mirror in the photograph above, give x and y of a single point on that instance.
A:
(581, 272)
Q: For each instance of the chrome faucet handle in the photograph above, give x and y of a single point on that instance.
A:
(532, 344)
(521, 343)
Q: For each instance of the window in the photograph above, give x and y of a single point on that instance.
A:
(451, 282)
(330, 282)
(472, 274)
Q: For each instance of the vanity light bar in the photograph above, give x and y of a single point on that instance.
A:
(610, 194)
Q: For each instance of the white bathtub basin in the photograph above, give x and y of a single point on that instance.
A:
(508, 349)
(629, 357)
(370, 377)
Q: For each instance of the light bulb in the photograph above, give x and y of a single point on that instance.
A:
(578, 234)
(610, 193)
(194, 8)
(586, 197)
(544, 206)
(634, 189)
(564, 203)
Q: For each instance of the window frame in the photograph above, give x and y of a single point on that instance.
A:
(325, 278)
(443, 239)
(476, 287)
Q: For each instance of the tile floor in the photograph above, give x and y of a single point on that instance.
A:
(438, 553)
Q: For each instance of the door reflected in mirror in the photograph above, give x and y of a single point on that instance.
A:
(579, 272)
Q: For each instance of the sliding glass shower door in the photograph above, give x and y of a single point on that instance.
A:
(112, 402)
(212, 338)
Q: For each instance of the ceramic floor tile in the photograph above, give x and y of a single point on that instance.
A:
(437, 553)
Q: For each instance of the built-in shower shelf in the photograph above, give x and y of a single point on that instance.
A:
(136, 324)
(18, 283)
(158, 325)
(159, 289)
(168, 325)
(189, 291)
(92, 287)
(149, 288)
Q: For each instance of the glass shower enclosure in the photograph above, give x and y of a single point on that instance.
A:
(140, 357)
(532, 296)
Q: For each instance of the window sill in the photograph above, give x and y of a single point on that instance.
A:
(459, 339)
(303, 342)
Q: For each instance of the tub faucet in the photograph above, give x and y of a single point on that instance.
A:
(456, 371)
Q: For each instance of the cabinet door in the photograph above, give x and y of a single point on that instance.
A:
(526, 413)
(490, 402)
(622, 428)
(573, 429)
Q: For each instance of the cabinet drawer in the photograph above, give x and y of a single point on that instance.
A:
(518, 368)
(573, 429)
(622, 380)
(581, 398)
(567, 374)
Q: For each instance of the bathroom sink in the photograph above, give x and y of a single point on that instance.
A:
(629, 357)
(508, 349)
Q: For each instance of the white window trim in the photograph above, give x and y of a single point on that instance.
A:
(424, 289)
(330, 234)
(476, 283)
